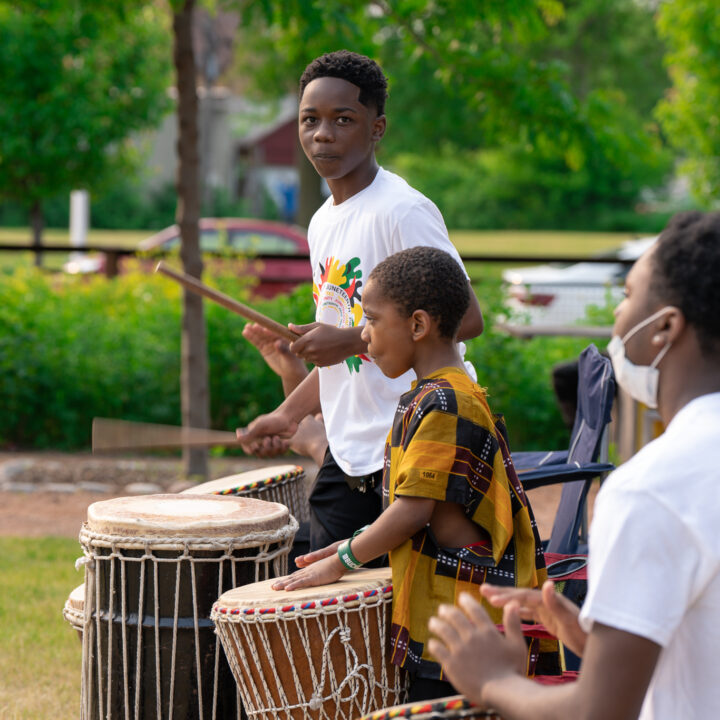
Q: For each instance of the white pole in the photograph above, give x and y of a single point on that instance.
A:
(79, 217)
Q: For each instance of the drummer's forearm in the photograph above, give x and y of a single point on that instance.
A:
(394, 526)
(304, 400)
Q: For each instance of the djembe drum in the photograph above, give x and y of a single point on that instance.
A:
(317, 653)
(74, 610)
(284, 484)
(154, 567)
(448, 708)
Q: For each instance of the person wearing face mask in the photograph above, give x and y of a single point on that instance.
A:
(649, 628)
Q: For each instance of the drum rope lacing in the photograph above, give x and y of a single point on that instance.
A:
(271, 548)
(314, 623)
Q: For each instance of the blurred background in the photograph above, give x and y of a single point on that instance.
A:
(557, 137)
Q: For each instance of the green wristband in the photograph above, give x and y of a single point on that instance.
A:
(360, 530)
(347, 558)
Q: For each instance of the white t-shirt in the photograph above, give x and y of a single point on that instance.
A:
(654, 560)
(346, 242)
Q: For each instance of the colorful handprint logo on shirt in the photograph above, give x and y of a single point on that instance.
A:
(337, 299)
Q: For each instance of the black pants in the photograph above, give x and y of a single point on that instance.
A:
(421, 689)
(336, 511)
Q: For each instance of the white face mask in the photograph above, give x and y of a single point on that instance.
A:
(638, 381)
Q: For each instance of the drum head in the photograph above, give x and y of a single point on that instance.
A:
(185, 516)
(260, 598)
(76, 599)
(242, 482)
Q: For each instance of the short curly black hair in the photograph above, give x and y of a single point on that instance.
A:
(356, 69)
(686, 259)
(425, 278)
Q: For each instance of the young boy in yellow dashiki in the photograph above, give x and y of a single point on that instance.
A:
(457, 515)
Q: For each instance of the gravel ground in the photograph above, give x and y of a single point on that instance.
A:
(48, 493)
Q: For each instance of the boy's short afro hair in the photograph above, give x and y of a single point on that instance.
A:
(425, 278)
(356, 69)
(686, 258)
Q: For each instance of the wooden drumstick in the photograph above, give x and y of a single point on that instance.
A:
(109, 434)
(245, 311)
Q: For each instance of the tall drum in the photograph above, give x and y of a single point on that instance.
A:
(154, 565)
(283, 484)
(312, 654)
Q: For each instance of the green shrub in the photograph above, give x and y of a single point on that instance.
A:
(75, 348)
(518, 376)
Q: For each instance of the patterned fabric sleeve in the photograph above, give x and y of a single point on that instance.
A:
(446, 449)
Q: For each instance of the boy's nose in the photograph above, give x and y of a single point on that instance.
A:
(324, 133)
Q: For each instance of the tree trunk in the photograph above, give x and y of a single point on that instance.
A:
(311, 197)
(37, 221)
(194, 373)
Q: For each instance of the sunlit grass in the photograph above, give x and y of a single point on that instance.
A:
(40, 656)
(55, 236)
(541, 242)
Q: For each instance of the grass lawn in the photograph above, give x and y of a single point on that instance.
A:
(540, 242)
(40, 655)
(468, 242)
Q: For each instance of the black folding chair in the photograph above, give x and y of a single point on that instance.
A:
(577, 466)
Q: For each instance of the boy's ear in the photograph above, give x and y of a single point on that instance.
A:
(420, 325)
(379, 126)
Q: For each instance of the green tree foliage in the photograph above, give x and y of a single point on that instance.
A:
(551, 97)
(690, 113)
(75, 80)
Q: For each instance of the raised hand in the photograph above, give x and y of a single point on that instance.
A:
(558, 614)
(277, 354)
(470, 648)
(266, 433)
(323, 344)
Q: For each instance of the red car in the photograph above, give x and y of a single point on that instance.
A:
(244, 237)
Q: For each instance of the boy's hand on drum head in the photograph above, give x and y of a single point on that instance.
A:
(322, 572)
(309, 558)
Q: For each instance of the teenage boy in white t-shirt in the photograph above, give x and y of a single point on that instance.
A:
(649, 629)
(370, 215)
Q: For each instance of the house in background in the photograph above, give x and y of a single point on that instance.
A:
(247, 150)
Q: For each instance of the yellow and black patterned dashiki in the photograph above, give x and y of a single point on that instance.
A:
(446, 445)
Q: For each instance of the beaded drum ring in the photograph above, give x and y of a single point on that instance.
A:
(315, 653)
(449, 708)
(284, 484)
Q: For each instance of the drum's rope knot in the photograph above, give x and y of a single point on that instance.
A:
(316, 702)
(344, 635)
(85, 560)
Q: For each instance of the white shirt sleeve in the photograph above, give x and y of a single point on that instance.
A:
(645, 566)
(423, 225)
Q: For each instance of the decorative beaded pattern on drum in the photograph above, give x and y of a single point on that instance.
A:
(279, 483)
(312, 658)
(449, 708)
(346, 600)
(149, 649)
